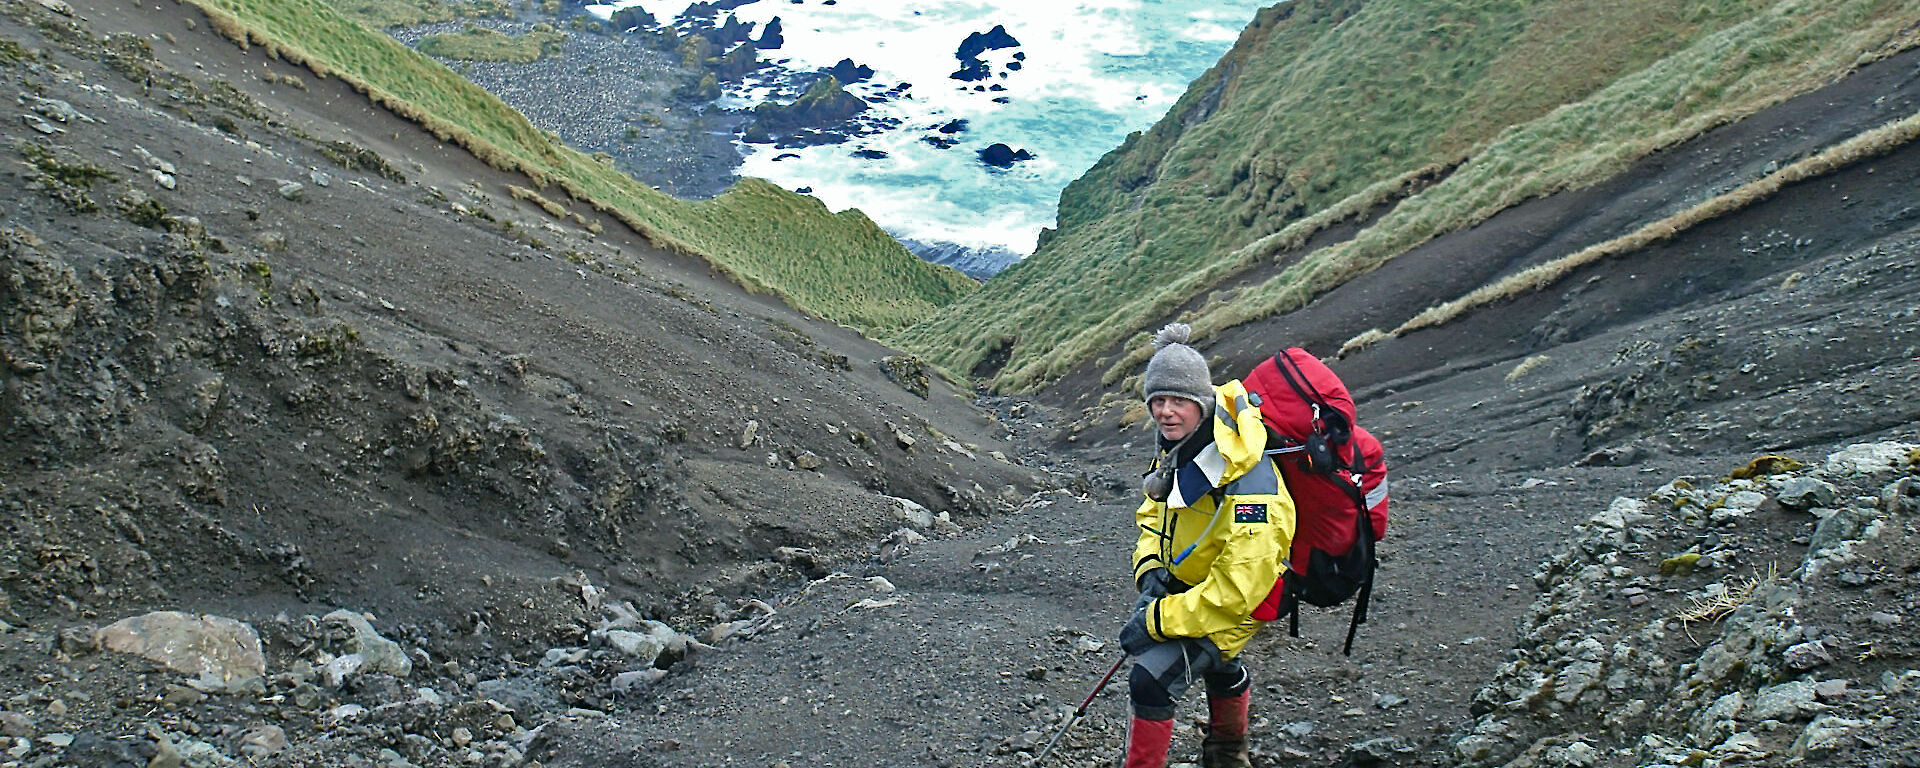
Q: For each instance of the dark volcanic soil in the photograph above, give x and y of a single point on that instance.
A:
(610, 510)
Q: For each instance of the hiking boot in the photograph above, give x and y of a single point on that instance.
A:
(1226, 743)
(1147, 743)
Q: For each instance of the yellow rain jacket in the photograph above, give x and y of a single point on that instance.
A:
(1225, 529)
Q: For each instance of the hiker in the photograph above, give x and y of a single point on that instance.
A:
(1214, 529)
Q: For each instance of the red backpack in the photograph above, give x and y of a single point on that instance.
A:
(1337, 475)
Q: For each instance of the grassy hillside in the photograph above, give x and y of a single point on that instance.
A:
(1325, 109)
(838, 265)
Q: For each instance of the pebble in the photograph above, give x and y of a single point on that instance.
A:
(16, 725)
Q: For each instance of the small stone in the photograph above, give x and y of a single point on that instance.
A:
(262, 741)
(1824, 735)
(162, 179)
(1787, 701)
(40, 124)
(16, 725)
(748, 434)
(808, 460)
(320, 179)
(57, 708)
(462, 736)
(1805, 656)
(292, 190)
(1830, 690)
(1884, 619)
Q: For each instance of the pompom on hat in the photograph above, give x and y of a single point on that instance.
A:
(1177, 369)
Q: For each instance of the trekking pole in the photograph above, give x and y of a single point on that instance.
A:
(1078, 713)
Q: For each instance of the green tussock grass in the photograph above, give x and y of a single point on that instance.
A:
(837, 265)
(1870, 144)
(381, 14)
(482, 44)
(1328, 108)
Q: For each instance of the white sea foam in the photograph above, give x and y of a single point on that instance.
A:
(1092, 71)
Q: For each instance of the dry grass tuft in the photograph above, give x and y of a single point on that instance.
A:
(1526, 366)
(1734, 594)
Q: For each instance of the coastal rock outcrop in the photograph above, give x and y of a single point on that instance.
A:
(972, 67)
(1000, 155)
(825, 103)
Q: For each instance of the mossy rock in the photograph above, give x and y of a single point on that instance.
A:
(1680, 565)
(1770, 464)
(908, 372)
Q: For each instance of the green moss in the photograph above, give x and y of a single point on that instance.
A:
(1770, 464)
(1680, 565)
(352, 157)
(63, 176)
(145, 211)
(15, 53)
(908, 372)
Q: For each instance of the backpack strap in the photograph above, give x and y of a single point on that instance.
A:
(1363, 537)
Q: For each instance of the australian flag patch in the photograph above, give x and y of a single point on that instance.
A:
(1249, 513)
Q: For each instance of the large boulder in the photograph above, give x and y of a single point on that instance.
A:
(221, 654)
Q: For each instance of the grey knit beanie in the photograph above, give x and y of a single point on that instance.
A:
(1177, 369)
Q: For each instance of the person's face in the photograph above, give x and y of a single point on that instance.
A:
(1177, 417)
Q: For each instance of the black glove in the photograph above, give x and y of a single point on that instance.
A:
(1133, 636)
(1154, 582)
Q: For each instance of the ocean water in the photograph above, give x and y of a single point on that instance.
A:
(1089, 73)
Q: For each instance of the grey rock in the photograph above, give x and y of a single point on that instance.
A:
(381, 655)
(1789, 701)
(1830, 690)
(1842, 526)
(293, 190)
(222, 653)
(1807, 656)
(262, 740)
(1824, 735)
(1806, 493)
(40, 124)
(16, 725)
(1902, 497)
(86, 750)
(808, 460)
(749, 433)
(1622, 513)
(55, 109)
(1885, 620)
(1868, 459)
(914, 513)
(320, 178)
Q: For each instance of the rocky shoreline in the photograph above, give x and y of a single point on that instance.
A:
(635, 97)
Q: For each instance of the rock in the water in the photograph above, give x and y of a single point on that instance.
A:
(222, 654)
(1002, 156)
(848, 72)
